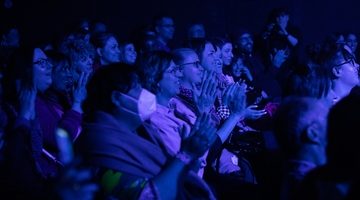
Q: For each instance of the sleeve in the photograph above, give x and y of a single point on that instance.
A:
(70, 121)
(223, 112)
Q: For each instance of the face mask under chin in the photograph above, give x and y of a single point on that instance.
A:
(146, 105)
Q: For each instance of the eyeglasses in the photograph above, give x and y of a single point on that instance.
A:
(350, 61)
(196, 64)
(174, 70)
(42, 62)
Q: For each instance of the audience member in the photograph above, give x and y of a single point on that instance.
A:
(334, 179)
(196, 30)
(164, 30)
(127, 52)
(131, 157)
(300, 130)
(107, 49)
(352, 43)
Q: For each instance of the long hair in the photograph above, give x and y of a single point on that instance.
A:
(153, 65)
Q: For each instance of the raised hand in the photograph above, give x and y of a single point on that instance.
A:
(205, 96)
(279, 58)
(201, 137)
(238, 99)
(79, 92)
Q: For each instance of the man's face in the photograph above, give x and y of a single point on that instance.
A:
(245, 43)
(166, 29)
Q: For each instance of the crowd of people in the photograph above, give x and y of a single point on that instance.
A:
(89, 116)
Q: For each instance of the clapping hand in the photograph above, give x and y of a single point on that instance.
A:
(205, 96)
(201, 137)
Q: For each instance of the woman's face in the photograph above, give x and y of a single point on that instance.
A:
(226, 53)
(170, 83)
(209, 57)
(129, 54)
(84, 65)
(219, 62)
(351, 41)
(348, 72)
(42, 70)
(62, 77)
(236, 68)
(191, 69)
(110, 53)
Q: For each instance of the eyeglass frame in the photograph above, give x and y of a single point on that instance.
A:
(196, 63)
(350, 61)
(47, 61)
(174, 70)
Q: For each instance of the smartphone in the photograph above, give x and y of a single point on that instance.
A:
(64, 145)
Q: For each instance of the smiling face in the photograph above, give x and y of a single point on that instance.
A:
(348, 73)
(42, 74)
(170, 83)
(226, 53)
(245, 43)
(236, 68)
(192, 73)
(129, 54)
(351, 41)
(209, 58)
(83, 65)
(62, 77)
(110, 53)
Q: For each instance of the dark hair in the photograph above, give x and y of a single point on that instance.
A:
(157, 21)
(114, 77)
(18, 67)
(77, 50)
(56, 58)
(191, 26)
(153, 65)
(332, 38)
(122, 45)
(332, 55)
(277, 12)
(219, 41)
(198, 45)
(308, 80)
(344, 149)
(99, 40)
(179, 55)
(140, 43)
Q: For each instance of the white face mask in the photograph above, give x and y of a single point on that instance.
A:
(146, 104)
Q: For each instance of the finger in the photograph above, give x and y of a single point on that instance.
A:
(86, 78)
(80, 80)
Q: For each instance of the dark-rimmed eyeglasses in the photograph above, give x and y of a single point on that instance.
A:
(196, 64)
(42, 62)
(350, 61)
(174, 70)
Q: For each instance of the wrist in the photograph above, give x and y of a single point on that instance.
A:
(186, 159)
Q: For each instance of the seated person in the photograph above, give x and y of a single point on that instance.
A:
(300, 130)
(334, 179)
(131, 159)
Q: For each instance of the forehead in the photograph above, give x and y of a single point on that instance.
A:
(209, 47)
(192, 57)
(167, 21)
(38, 54)
(129, 46)
(351, 36)
(227, 46)
(245, 35)
(111, 41)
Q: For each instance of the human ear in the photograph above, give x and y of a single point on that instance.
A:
(98, 51)
(336, 72)
(115, 96)
(313, 133)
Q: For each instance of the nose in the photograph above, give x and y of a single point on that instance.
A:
(117, 50)
(179, 74)
(90, 60)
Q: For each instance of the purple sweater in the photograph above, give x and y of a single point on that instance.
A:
(53, 109)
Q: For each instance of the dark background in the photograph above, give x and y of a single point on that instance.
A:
(39, 19)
